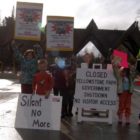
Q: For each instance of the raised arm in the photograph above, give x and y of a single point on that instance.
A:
(39, 51)
(16, 51)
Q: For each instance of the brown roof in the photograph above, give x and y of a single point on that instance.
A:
(102, 39)
(131, 39)
(105, 39)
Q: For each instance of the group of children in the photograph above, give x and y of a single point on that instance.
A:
(36, 79)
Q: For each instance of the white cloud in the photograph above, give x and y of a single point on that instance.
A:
(106, 13)
(109, 12)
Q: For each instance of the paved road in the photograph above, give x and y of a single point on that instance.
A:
(70, 129)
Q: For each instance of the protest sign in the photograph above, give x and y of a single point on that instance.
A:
(120, 58)
(59, 33)
(28, 21)
(37, 112)
(95, 88)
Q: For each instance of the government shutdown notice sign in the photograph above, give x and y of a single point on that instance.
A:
(95, 88)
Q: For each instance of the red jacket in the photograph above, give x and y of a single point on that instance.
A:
(42, 82)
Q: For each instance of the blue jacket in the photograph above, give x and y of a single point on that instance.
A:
(28, 67)
(126, 84)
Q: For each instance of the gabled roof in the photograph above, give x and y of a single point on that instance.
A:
(102, 39)
(105, 39)
(131, 39)
(82, 36)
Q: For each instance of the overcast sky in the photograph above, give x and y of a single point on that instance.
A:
(107, 14)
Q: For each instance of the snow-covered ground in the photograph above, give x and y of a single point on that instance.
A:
(9, 85)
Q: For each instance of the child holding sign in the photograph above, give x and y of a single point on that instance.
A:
(124, 85)
(43, 80)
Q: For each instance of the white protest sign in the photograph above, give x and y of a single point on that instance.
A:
(28, 21)
(95, 88)
(59, 33)
(36, 112)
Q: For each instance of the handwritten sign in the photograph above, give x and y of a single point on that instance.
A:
(36, 112)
